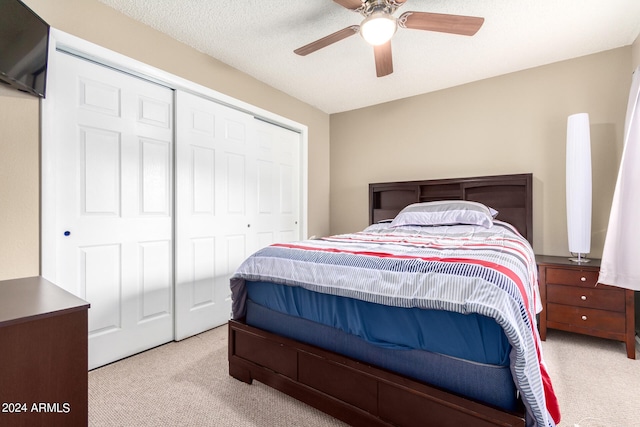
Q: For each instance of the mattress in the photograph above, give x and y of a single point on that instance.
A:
(471, 337)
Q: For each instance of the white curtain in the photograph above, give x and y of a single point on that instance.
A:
(620, 264)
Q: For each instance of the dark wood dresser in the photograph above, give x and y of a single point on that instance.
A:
(43, 355)
(574, 301)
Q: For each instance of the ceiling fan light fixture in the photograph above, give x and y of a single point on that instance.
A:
(378, 28)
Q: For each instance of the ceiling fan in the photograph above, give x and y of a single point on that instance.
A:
(379, 26)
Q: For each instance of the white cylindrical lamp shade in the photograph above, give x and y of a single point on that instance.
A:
(578, 182)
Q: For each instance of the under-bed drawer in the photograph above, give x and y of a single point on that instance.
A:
(335, 379)
(277, 357)
(404, 407)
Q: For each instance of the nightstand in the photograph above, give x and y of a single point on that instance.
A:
(574, 301)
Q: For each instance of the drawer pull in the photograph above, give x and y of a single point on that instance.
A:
(584, 317)
(583, 297)
(583, 279)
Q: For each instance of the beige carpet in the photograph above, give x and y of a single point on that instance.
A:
(187, 384)
(596, 384)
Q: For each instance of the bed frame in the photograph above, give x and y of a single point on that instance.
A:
(365, 395)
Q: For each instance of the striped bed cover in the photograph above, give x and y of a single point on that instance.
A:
(461, 268)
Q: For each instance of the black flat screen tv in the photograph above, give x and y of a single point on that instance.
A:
(24, 43)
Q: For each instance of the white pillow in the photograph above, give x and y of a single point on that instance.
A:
(445, 212)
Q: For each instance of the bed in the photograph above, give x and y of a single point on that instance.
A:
(426, 317)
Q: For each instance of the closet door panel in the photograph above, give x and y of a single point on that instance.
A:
(156, 283)
(202, 180)
(113, 175)
(100, 163)
(233, 197)
(213, 167)
(100, 282)
(203, 251)
(278, 182)
(155, 173)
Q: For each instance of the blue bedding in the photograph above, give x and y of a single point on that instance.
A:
(471, 337)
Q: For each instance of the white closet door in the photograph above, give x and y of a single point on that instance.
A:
(237, 190)
(213, 167)
(114, 204)
(278, 187)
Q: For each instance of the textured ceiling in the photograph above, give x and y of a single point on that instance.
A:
(258, 37)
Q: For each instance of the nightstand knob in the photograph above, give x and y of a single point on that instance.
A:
(583, 297)
(583, 279)
(584, 317)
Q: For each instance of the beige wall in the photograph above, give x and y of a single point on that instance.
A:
(97, 23)
(514, 123)
(19, 184)
(635, 54)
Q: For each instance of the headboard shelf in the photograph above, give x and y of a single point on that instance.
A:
(443, 191)
(510, 195)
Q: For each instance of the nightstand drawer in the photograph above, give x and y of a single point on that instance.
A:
(587, 318)
(562, 276)
(603, 299)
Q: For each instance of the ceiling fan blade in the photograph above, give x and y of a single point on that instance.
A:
(350, 4)
(326, 41)
(454, 24)
(384, 62)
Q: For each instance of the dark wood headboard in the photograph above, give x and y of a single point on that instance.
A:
(510, 195)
